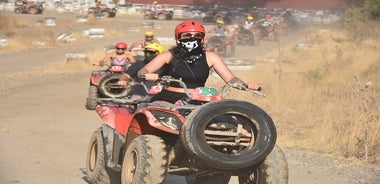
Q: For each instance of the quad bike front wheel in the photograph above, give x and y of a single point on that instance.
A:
(145, 161)
(97, 173)
(229, 134)
(147, 17)
(274, 169)
(18, 10)
(92, 96)
(108, 86)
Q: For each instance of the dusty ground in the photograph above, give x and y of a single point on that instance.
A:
(45, 127)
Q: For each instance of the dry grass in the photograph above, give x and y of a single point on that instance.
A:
(321, 98)
(24, 35)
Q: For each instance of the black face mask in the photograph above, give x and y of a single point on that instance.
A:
(193, 50)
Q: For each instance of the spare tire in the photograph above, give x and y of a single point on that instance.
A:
(229, 134)
(109, 88)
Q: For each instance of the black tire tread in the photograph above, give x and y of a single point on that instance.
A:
(274, 169)
(99, 175)
(153, 162)
(91, 99)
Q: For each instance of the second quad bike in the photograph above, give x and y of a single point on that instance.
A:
(213, 16)
(160, 15)
(221, 44)
(205, 138)
(103, 11)
(103, 84)
(28, 7)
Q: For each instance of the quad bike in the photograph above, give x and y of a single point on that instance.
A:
(221, 44)
(212, 17)
(205, 138)
(103, 84)
(102, 11)
(268, 31)
(160, 15)
(247, 36)
(28, 7)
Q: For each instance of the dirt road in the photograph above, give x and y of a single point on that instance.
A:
(45, 127)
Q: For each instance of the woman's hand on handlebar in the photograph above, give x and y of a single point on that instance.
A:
(254, 86)
(151, 76)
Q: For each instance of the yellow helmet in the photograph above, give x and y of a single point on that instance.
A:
(249, 18)
(149, 33)
(220, 22)
(155, 47)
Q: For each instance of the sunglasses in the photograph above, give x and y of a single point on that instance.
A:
(150, 51)
(192, 35)
(120, 48)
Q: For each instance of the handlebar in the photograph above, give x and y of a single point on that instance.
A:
(240, 86)
(97, 64)
(225, 88)
(168, 79)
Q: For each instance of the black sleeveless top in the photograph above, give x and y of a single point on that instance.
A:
(193, 75)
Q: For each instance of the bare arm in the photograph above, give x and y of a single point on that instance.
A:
(216, 62)
(130, 58)
(136, 44)
(106, 58)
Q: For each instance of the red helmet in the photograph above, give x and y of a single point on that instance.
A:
(189, 26)
(122, 45)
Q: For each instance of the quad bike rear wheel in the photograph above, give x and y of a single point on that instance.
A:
(92, 96)
(145, 161)
(109, 88)
(162, 16)
(229, 134)
(97, 173)
(274, 169)
(32, 10)
(106, 14)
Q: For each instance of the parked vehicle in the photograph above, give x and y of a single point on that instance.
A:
(160, 15)
(103, 11)
(207, 139)
(28, 7)
(103, 84)
(221, 44)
